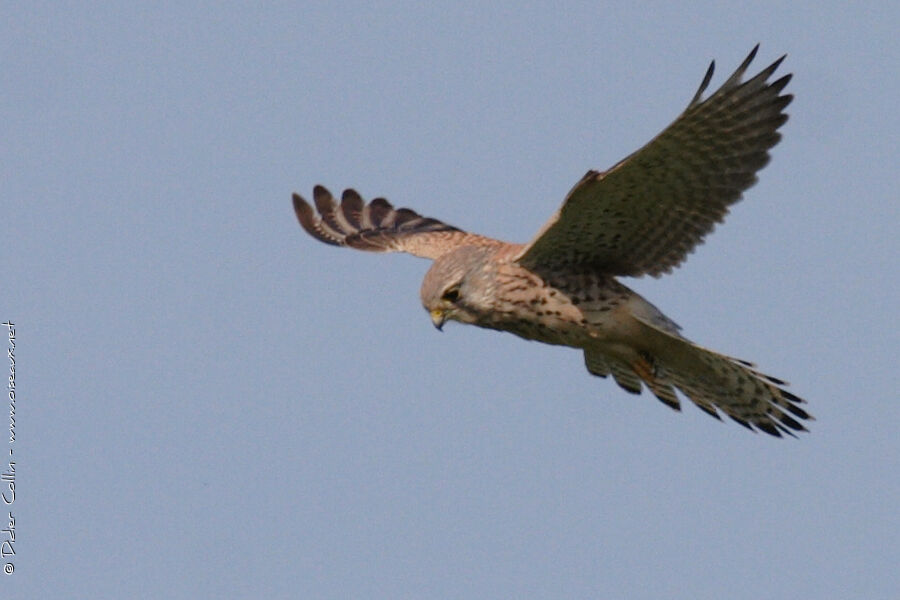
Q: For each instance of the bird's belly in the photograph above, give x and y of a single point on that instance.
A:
(564, 327)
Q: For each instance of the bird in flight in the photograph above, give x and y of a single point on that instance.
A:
(643, 216)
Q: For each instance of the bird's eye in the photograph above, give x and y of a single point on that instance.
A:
(452, 294)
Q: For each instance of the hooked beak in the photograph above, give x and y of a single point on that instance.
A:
(438, 317)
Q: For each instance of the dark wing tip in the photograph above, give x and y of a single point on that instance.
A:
(380, 211)
(310, 222)
(352, 206)
(381, 203)
(351, 196)
(324, 200)
(771, 68)
(704, 84)
(304, 212)
(750, 56)
(736, 77)
(375, 227)
(781, 83)
(739, 72)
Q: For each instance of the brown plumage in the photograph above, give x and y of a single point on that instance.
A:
(641, 217)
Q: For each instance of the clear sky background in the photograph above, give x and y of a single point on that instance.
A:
(212, 404)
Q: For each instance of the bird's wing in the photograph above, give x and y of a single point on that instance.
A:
(378, 226)
(648, 212)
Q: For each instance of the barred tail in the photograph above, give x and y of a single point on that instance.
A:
(714, 382)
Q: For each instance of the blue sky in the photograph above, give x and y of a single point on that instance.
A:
(210, 403)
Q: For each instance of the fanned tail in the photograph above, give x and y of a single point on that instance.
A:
(716, 383)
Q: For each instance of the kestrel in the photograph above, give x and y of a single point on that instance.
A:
(641, 217)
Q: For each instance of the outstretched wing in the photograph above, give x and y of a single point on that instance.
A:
(378, 226)
(648, 212)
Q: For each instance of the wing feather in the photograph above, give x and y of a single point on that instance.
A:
(649, 211)
(378, 226)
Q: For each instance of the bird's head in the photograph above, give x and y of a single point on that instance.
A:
(456, 286)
